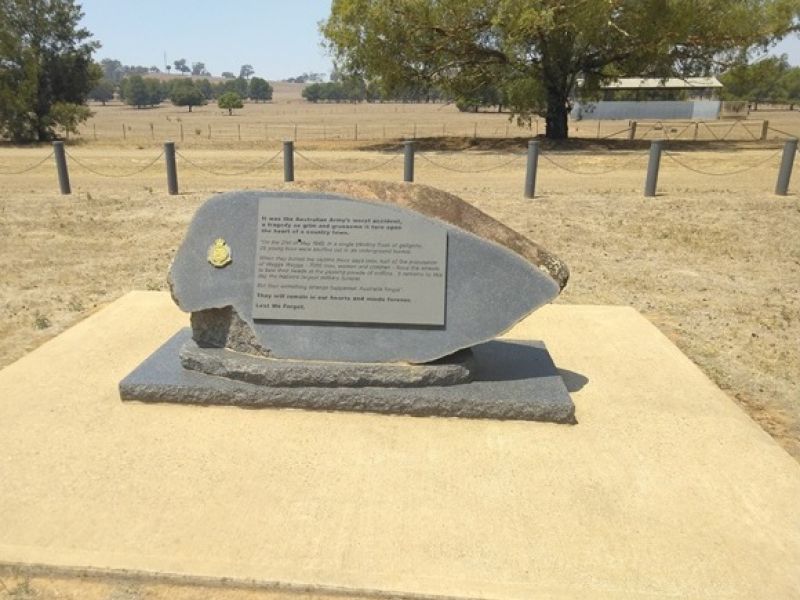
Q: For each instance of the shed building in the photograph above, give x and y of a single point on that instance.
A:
(695, 98)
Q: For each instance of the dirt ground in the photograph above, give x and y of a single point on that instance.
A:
(713, 260)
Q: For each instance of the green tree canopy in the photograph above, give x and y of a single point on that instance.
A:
(103, 91)
(67, 116)
(180, 65)
(260, 90)
(768, 80)
(229, 101)
(184, 92)
(199, 69)
(45, 58)
(205, 87)
(140, 92)
(544, 46)
(113, 70)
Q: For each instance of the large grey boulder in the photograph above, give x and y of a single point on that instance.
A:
(495, 277)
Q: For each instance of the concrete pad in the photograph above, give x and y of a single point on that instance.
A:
(664, 488)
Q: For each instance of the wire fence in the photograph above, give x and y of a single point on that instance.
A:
(194, 130)
(442, 161)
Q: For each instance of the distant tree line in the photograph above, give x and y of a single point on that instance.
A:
(355, 89)
(307, 78)
(113, 69)
(143, 92)
(769, 80)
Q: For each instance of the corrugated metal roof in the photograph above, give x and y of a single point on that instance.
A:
(638, 83)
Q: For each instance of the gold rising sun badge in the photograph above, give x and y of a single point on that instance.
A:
(219, 253)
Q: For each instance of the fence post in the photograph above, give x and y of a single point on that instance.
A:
(787, 160)
(355, 132)
(124, 132)
(632, 132)
(408, 162)
(696, 129)
(652, 168)
(181, 127)
(172, 168)
(530, 171)
(764, 130)
(288, 160)
(152, 133)
(239, 131)
(61, 166)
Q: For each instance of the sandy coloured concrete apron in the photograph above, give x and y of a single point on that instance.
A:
(665, 488)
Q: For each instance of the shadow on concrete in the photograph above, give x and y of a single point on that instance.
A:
(574, 381)
(504, 360)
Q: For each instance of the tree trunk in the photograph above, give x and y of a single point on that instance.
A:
(230, 112)
(558, 65)
(190, 108)
(556, 118)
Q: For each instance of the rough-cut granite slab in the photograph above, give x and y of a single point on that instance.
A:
(489, 289)
(513, 380)
(221, 362)
(438, 204)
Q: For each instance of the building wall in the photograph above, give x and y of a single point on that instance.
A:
(652, 109)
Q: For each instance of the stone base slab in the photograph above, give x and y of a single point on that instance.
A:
(664, 488)
(276, 372)
(512, 380)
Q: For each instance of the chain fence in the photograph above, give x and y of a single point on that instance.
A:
(438, 161)
(755, 165)
(94, 171)
(576, 171)
(247, 171)
(440, 165)
(30, 167)
(346, 171)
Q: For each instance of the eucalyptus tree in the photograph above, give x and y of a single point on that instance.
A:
(536, 51)
(45, 59)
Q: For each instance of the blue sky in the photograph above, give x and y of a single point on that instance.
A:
(279, 38)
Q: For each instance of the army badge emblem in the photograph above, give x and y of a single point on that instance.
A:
(219, 253)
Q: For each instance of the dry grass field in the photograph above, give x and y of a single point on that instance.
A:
(291, 117)
(713, 260)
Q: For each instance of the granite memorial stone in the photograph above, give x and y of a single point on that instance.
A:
(488, 288)
(317, 300)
